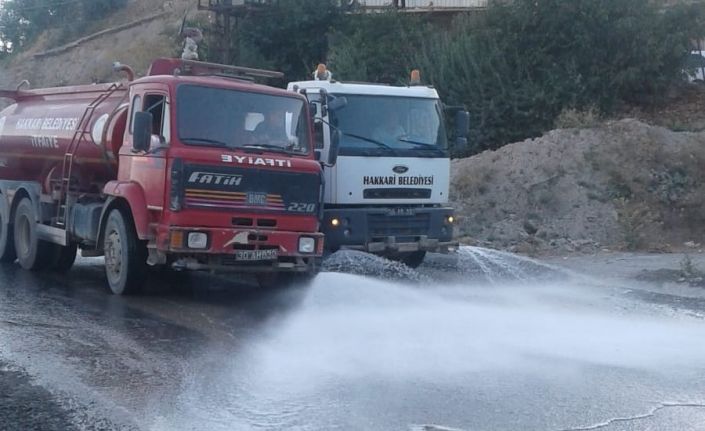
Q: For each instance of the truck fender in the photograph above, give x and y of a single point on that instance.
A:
(30, 190)
(132, 194)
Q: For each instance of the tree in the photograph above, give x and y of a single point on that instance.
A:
(292, 35)
(22, 20)
(377, 47)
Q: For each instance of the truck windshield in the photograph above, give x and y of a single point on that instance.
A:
(220, 117)
(384, 125)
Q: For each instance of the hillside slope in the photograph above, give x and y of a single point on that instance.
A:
(624, 185)
(151, 31)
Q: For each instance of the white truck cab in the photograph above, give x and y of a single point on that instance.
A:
(388, 191)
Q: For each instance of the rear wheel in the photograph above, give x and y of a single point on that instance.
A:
(125, 255)
(32, 253)
(7, 240)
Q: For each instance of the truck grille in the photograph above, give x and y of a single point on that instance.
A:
(397, 193)
(381, 225)
(236, 189)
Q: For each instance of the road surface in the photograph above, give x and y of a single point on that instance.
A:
(486, 341)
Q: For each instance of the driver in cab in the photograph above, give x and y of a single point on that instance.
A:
(272, 130)
(390, 130)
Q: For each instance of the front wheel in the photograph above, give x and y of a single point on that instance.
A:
(413, 259)
(276, 280)
(125, 255)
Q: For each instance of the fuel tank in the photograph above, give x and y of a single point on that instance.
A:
(37, 131)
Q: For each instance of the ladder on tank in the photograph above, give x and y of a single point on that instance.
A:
(82, 129)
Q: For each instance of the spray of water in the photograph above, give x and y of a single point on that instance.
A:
(352, 327)
(354, 336)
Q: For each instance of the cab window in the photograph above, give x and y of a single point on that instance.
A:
(157, 105)
(136, 107)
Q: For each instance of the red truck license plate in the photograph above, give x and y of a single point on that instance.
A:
(253, 255)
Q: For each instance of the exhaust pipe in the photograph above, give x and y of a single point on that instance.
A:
(127, 70)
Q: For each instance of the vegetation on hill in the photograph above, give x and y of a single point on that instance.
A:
(516, 67)
(522, 64)
(520, 67)
(21, 21)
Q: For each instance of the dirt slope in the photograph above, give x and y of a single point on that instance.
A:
(91, 61)
(625, 185)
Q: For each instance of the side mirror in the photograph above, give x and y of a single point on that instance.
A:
(337, 103)
(313, 108)
(142, 131)
(334, 147)
(462, 124)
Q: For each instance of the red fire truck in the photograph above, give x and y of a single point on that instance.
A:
(193, 166)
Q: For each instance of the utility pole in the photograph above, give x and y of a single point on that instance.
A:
(227, 14)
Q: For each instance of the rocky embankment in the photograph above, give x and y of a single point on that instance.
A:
(622, 185)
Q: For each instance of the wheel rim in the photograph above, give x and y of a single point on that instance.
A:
(113, 255)
(25, 235)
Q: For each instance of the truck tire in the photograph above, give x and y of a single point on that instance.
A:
(269, 280)
(125, 255)
(7, 239)
(65, 258)
(33, 254)
(413, 259)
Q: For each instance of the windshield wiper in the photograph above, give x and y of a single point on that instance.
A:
(205, 141)
(422, 144)
(370, 140)
(268, 147)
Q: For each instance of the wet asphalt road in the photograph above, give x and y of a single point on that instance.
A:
(481, 343)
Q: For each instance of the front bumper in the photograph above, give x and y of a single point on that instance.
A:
(390, 230)
(237, 250)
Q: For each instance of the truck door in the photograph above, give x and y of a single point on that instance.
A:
(149, 168)
(321, 130)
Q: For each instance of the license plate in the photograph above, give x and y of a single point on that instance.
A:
(396, 212)
(253, 255)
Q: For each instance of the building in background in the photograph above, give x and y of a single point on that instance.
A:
(420, 5)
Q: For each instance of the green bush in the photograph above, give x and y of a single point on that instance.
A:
(523, 63)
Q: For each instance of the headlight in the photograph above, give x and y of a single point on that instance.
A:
(307, 245)
(335, 222)
(198, 240)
